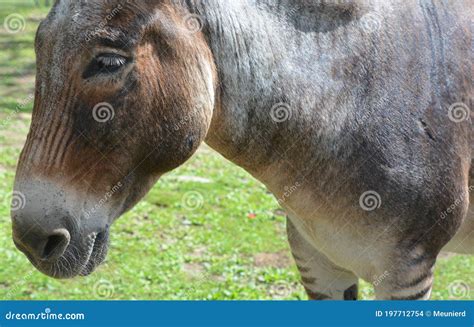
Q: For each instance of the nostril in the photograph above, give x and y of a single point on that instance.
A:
(53, 243)
(56, 245)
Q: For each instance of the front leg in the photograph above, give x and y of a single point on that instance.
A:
(321, 278)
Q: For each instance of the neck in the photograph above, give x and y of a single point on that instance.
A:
(244, 51)
(265, 54)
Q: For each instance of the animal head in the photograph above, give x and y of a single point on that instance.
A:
(124, 93)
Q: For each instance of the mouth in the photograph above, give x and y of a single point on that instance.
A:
(80, 259)
(96, 253)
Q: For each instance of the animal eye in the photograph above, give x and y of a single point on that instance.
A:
(111, 60)
(106, 63)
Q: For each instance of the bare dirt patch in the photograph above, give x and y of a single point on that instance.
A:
(199, 252)
(272, 260)
(194, 270)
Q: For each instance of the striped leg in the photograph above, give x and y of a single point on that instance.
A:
(320, 277)
(408, 280)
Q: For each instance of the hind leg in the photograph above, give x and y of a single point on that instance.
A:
(321, 279)
(407, 278)
(429, 225)
(409, 265)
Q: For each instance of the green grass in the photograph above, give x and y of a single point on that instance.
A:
(163, 248)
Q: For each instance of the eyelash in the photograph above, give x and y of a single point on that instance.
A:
(103, 64)
(111, 61)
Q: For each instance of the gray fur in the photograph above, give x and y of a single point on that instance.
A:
(366, 88)
(369, 111)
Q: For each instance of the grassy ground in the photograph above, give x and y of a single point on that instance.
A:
(219, 236)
